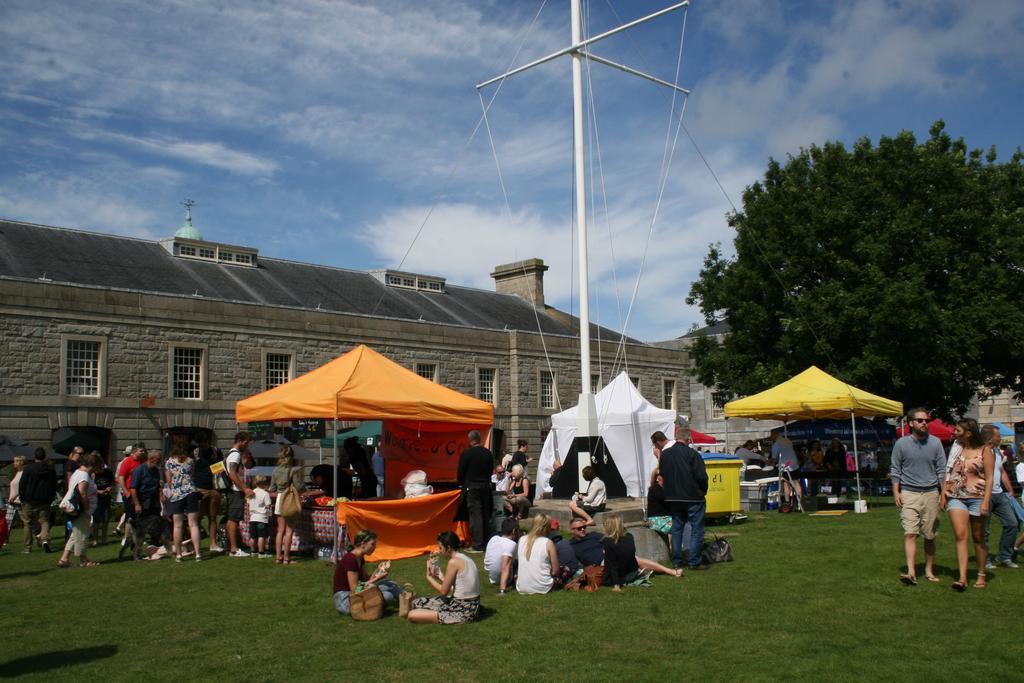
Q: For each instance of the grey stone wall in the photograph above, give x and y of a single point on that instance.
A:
(139, 330)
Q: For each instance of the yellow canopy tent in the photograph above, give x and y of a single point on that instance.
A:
(425, 425)
(814, 394)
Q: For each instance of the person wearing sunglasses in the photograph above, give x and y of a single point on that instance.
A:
(918, 470)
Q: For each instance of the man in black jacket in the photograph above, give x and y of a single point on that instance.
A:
(475, 467)
(37, 489)
(686, 485)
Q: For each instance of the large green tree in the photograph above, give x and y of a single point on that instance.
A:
(897, 267)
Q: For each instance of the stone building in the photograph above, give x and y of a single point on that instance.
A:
(707, 406)
(105, 340)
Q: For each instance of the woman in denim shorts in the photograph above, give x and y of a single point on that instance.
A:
(967, 494)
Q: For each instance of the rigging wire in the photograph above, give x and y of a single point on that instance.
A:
(508, 212)
(754, 238)
(667, 158)
(462, 151)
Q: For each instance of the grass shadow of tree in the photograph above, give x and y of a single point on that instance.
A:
(45, 661)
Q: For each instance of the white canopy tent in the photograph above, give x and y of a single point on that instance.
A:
(625, 420)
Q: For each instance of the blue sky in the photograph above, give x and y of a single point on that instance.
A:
(326, 131)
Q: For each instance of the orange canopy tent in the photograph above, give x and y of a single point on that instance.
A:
(424, 424)
(364, 385)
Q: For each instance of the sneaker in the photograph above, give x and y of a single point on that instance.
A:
(645, 574)
(1009, 564)
(199, 558)
(26, 551)
(263, 556)
(989, 565)
(216, 549)
(46, 546)
(177, 558)
(238, 553)
(475, 550)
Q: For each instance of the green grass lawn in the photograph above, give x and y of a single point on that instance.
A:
(810, 598)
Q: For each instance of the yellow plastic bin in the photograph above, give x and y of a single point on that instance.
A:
(723, 497)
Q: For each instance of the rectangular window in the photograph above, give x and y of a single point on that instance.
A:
(186, 250)
(206, 252)
(186, 373)
(81, 368)
(427, 371)
(485, 384)
(278, 369)
(668, 394)
(243, 258)
(408, 282)
(718, 402)
(434, 286)
(547, 389)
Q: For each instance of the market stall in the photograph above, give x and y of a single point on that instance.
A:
(811, 395)
(424, 425)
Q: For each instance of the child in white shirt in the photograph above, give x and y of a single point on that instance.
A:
(260, 506)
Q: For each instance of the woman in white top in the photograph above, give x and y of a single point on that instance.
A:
(588, 503)
(78, 543)
(459, 587)
(538, 560)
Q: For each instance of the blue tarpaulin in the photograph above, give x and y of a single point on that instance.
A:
(868, 431)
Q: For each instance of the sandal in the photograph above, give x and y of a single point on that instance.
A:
(959, 586)
(63, 564)
(677, 572)
(279, 561)
(933, 579)
(88, 563)
(908, 579)
(980, 581)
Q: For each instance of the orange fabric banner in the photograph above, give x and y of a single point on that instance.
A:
(432, 447)
(405, 528)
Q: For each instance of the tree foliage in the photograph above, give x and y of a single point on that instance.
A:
(896, 267)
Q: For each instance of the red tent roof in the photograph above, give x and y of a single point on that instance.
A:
(701, 438)
(936, 428)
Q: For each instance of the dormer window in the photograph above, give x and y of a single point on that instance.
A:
(423, 283)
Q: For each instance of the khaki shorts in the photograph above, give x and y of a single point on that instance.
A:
(920, 513)
(209, 503)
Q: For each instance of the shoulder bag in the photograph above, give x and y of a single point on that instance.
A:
(367, 605)
(291, 503)
(718, 550)
(71, 504)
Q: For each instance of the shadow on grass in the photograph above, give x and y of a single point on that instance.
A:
(16, 575)
(45, 661)
(485, 613)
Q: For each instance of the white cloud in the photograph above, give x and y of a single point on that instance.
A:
(862, 53)
(74, 202)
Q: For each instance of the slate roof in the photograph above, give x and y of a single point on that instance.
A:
(65, 256)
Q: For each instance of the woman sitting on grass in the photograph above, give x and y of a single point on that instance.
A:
(621, 565)
(350, 574)
(539, 571)
(517, 495)
(659, 517)
(459, 586)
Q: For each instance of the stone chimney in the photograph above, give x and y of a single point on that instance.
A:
(524, 279)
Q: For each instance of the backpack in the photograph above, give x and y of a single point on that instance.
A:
(221, 480)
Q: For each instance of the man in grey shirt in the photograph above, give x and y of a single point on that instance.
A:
(918, 469)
